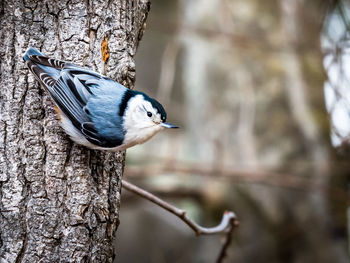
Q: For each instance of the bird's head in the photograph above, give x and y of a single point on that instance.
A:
(143, 118)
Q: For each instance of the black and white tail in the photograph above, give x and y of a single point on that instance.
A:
(46, 70)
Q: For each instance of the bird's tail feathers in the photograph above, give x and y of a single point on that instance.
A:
(49, 62)
(34, 55)
(46, 70)
(43, 77)
(31, 52)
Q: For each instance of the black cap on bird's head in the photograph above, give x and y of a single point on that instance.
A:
(161, 111)
(158, 107)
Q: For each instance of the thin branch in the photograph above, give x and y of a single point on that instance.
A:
(199, 230)
(227, 241)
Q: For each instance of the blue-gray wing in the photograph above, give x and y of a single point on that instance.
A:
(89, 100)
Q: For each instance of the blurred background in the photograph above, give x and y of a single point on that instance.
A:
(262, 94)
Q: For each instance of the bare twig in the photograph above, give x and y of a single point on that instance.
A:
(227, 224)
(227, 241)
(199, 230)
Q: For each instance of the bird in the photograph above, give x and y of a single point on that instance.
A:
(94, 110)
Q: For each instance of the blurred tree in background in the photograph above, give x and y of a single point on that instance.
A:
(246, 81)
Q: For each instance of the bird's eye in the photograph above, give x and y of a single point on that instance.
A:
(149, 114)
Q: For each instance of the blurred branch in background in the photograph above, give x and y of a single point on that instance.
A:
(296, 86)
(167, 73)
(254, 177)
(227, 224)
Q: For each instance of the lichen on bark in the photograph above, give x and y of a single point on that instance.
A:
(59, 202)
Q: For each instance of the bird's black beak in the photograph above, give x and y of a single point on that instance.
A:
(168, 125)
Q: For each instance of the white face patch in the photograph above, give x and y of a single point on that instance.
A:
(141, 121)
(151, 112)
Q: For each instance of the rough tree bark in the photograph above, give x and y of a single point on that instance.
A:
(59, 202)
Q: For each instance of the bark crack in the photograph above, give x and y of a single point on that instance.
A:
(5, 151)
(21, 253)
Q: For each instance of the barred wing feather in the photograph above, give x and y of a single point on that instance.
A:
(71, 87)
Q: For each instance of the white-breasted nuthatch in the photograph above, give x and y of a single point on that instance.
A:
(94, 110)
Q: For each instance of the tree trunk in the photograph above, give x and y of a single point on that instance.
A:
(59, 202)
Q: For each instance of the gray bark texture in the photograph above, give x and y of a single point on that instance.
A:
(59, 202)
